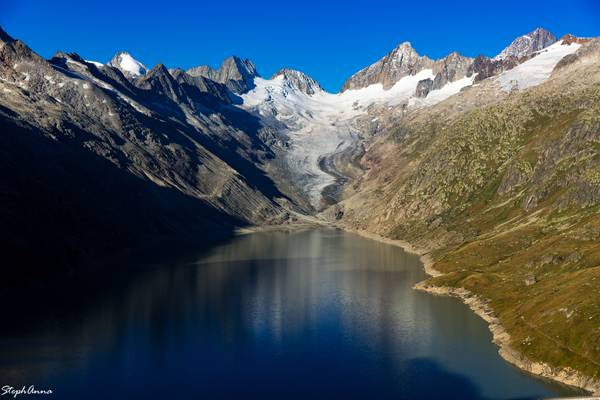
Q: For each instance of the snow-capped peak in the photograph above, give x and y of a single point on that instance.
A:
(129, 66)
(528, 44)
(401, 62)
(298, 80)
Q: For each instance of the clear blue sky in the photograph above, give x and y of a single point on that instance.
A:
(329, 40)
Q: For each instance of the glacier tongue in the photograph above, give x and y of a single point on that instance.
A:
(314, 126)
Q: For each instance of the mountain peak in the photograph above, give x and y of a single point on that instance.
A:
(237, 69)
(158, 70)
(404, 49)
(454, 55)
(404, 45)
(298, 80)
(400, 62)
(236, 73)
(129, 66)
(527, 44)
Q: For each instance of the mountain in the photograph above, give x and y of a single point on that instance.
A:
(527, 44)
(404, 61)
(237, 74)
(298, 80)
(400, 62)
(129, 66)
(118, 163)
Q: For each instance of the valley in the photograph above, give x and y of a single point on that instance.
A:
(488, 165)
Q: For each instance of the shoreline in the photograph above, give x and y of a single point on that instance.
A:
(500, 337)
(424, 256)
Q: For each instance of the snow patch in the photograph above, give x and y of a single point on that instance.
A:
(401, 92)
(439, 95)
(96, 63)
(536, 70)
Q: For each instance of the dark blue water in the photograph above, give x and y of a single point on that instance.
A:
(311, 314)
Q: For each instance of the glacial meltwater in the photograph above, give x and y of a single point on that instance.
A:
(314, 314)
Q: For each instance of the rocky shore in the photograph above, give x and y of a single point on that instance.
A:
(502, 339)
(500, 336)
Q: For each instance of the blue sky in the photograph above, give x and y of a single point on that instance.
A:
(329, 40)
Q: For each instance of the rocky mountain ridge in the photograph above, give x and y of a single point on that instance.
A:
(174, 142)
(404, 61)
(400, 62)
(237, 74)
(146, 109)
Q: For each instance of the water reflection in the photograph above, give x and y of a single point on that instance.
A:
(319, 312)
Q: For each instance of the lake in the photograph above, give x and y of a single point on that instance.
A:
(307, 314)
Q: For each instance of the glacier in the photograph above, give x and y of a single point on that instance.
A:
(320, 125)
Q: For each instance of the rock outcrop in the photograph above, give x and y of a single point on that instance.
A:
(424, 87)
(449, 69)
